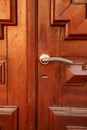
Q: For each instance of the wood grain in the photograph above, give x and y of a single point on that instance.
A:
(9, 117)
(3, 52)
(5, 9)
(68, 118)
(1, 32)
(8, 14)
(55, 41)
(79, 1)
(17, 71)
(32, 63)
(10, 8)
(72, 15)
(48, 42)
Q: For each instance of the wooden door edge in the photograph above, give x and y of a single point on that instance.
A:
(31, 12)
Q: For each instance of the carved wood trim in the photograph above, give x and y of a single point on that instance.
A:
(74, 74)
(70, 15)
(13, 18)
(76, 128)
(64, 118)
(9, 116)
(79, 1)
(13, 14)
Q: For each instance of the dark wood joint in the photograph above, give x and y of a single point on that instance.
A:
(3, 75)
(1, 32)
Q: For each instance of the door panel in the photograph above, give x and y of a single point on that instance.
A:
(8, 118)
(64, 118)
(73, 16)
(13, 68)
(62, 88)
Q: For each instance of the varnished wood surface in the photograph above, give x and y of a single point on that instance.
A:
(13, 49)
(36, 88)
(32, 60)
(17, 71)
(67, 41)
(4, 9)
(3, 87)
(9, 117)
(8, 11)
(48, 42)
(79, 1)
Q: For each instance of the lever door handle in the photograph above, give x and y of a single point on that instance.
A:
(45, 59)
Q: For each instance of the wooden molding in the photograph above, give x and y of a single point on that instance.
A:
(68, 118)
(13, 14)
(72, 16)
(74, 74)
(9, 117)
(79, 1)
(13, 18)
(76, 128)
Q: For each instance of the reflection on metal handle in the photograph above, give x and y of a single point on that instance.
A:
(45, 59)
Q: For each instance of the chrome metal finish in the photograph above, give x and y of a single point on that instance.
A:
(45, 59)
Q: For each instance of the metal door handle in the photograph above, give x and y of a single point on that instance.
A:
(45, 59)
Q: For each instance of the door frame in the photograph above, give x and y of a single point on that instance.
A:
(32, 65)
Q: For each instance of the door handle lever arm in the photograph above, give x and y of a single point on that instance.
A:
(45, 59)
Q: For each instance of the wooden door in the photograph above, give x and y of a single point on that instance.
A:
(13, 73)
(62, 87)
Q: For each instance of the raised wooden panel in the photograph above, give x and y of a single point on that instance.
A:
(76, 128)
(8, 118)
(68, 118)
(4, 9)
(8, 14)
(72, 16)
(79, 1)
(73, 74)
(12, 19)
